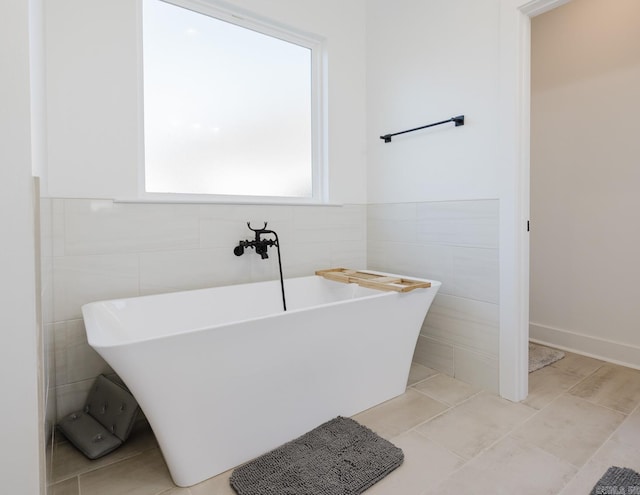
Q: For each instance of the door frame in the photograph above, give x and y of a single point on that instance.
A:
(514, 153)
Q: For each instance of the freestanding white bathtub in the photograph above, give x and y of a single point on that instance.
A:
(224, 375)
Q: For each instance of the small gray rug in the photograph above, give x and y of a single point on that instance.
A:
(621, 481)
(540, 356)
(339, 457)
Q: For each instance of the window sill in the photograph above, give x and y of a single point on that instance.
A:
(223, 200)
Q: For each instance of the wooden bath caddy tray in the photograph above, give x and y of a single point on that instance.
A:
(372, 280)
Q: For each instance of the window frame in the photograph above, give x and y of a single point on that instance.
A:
(319, 120)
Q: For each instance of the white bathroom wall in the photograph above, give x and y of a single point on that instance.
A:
(21, 437)
(428, 61)
(94, 95)
(104, 250)
(585, 178)
(434, 194)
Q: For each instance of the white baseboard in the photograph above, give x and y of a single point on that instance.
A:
(606, 350)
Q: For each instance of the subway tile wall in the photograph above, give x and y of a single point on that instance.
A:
(455, 242)
(102, 250)
(98, 249)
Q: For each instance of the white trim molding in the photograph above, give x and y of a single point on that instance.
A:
(537, 7)
(587, 345)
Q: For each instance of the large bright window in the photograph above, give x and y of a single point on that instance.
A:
(230, 108)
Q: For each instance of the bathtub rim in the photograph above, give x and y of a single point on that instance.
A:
(87, 308)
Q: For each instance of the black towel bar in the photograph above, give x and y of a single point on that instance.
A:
(459, 120)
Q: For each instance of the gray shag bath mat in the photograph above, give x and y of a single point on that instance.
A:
(621, 481)
(339, 457)
(540, 356)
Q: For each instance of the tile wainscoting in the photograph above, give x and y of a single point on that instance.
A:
(99, 249)
(455, 242)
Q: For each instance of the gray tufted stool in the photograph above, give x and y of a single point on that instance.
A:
(105, 422)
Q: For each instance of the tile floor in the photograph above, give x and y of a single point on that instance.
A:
(581, 417)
